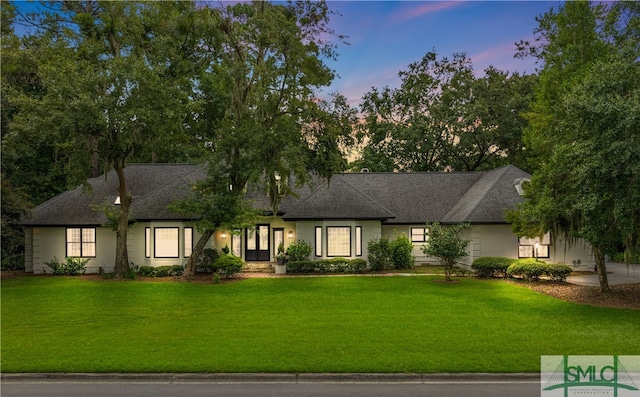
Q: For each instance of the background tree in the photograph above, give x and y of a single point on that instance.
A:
(585, 129)
(447, 244)
(116, 79)
(265, 128)
(443, 117)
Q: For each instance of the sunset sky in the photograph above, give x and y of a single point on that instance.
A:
(386, 36)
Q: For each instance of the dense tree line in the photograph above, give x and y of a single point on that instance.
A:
(93, 86)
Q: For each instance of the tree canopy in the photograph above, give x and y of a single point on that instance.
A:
(443, 117)
(585, 129)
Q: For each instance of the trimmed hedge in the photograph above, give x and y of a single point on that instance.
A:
(161, 271)
(491, 266)
(531, 270)
(333, 265)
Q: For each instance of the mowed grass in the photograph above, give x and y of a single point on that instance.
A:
(319, 324)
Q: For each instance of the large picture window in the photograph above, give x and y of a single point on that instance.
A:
(81, 242)
(338, 241)
(166, 242)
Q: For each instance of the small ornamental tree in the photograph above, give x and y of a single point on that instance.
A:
(446, 244)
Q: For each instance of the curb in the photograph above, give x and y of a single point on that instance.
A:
(269, 377)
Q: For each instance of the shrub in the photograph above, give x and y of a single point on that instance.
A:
(229, 265)
(489, 266)
(147, 271)
(299, 251)
(357, 266)
(379, 254)
(402, 253)
(301, 266)
(529, 269)
(333, 265)
(72, 266)
(161, 271)
(206, 261)
(556, 271)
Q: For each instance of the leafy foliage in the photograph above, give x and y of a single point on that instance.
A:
(379, 254)
(584, 129)
(299, 250)
(447, 244)
(72, 266)
(402, 252)
(229, 265)
(333, 265)
(490, 266)
(444, 118)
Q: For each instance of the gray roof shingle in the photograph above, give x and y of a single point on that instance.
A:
(394, 198)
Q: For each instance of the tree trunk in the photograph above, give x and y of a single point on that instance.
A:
(602, 270)
(121, 267)
(190, 268)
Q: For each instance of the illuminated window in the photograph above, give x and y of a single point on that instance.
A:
(419, 234)
(166, 242)
(81, 242)
(338, 241)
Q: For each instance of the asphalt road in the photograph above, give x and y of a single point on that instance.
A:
(76, 389)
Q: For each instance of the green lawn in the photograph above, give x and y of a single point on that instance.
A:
(314, 324)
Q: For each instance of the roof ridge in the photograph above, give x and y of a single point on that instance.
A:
(487, 189)
(170, 181)
(370, 198)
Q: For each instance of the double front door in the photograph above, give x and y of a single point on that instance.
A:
(257, 243)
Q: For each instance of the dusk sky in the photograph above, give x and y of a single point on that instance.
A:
(386, 36)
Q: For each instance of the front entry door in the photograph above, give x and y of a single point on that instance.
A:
(257, 244)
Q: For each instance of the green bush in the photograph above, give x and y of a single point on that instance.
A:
(556, 271)
(161, 271)
(206, 261)
(402, 253)
(299, 251)
(301, 266)
(490, 266)
(146, 271)
(379, 254)
(229, 265)
(357, 265)
(72, 266)
(531, 270)
(528, 268)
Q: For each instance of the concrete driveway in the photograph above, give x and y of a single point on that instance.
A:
(617, 273)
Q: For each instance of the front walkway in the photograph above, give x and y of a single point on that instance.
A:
(617, 273)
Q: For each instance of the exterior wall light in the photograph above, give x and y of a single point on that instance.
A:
(290, 234)
(223, 235)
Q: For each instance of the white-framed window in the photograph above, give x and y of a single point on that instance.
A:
(188, 241)
(147, 242)
(318, 240)
(338, 241)
(534, 247)
(81, 242)
(419, 234)
(166, 242)
(358, 240)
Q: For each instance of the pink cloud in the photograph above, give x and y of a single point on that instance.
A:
(422, 9)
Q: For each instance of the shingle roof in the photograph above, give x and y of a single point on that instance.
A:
(394, 198)
(152, 187)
